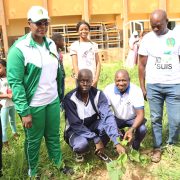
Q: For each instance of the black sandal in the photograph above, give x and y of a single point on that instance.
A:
(67, 170)
(103, 156)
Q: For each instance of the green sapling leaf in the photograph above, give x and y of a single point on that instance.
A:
(122, 159)
(134, 155)
(124, 142)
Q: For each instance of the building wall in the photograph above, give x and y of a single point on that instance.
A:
(16, 27)
(105, 7)
(173, 7)
(72, 11)
(17, 9)
(140, 6)
(0, 20)
(65, 8)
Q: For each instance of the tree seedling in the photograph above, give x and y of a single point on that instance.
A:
(117, 168)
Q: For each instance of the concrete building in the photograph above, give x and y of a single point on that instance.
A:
(112, 21)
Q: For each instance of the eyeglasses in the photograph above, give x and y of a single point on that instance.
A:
(41, 23)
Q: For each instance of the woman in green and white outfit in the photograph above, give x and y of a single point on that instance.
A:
(34, 76)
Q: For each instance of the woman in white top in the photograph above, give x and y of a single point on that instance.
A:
(84, 53)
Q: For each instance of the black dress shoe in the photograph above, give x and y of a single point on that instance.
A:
(67, 170)
(103, 156)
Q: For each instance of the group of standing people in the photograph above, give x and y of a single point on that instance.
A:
(36, 76)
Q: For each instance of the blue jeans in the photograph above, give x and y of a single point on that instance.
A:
(7, 113)
(139, 134)
(157, 94)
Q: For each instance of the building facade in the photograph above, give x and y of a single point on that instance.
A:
(112, 20)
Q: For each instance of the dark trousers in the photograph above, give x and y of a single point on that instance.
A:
(80, 144)
(139, 134)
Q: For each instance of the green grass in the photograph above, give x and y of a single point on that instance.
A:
(14, 163)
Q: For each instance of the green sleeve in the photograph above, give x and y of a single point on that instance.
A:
(15, 76)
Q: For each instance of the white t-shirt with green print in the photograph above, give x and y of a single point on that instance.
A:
(163, 64)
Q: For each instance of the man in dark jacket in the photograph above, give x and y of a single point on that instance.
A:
(88, 117)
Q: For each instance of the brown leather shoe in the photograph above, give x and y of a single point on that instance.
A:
(156, 155)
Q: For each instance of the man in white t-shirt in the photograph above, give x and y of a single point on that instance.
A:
(127, 102)
(159, 66)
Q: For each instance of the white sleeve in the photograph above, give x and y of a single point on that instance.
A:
(143, 47)
(73, 49)
(96, 48)
(179, 44)
(138, 99)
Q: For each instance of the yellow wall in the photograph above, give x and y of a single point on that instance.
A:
(65, 7)
(16, 27)
(133, 16)
(139, 9)
(105, 7)
(17, 9)
(63, 20)
(173, 6)
(142, 6)
(103, 18)
(72, 11)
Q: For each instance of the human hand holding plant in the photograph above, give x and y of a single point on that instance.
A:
(129, 135)
(117, 168)
(120, 149)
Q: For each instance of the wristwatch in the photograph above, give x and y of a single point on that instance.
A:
(133, 129)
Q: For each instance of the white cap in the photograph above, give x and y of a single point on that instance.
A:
(36, 13)
(135, 33)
